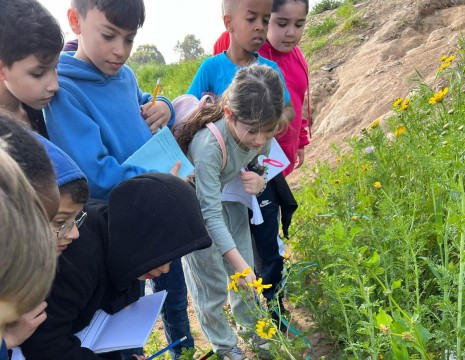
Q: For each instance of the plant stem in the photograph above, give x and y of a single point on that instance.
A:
(461, 272)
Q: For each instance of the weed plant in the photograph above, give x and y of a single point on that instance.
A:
(386, 226)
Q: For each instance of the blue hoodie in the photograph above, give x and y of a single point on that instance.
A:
(96, 120)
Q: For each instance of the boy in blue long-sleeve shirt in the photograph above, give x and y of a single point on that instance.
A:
(100, 117)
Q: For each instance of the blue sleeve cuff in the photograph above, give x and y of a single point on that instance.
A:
(168, 102)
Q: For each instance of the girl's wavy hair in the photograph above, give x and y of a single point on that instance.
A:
(28, 261)
(255, 97)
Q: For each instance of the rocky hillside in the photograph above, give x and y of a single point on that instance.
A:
(365, 66)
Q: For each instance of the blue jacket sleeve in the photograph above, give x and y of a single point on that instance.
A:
(72, 129)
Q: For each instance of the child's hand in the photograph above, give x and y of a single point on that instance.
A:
(300, 158)
(253, 183)
(16, 333)
(156, 116)
(138, 357)
(175, 171)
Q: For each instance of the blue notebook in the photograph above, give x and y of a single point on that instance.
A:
(160, 153)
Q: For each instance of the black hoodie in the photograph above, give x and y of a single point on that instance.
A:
(150, 220)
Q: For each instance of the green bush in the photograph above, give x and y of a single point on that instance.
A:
(387, 228)
(175, 79)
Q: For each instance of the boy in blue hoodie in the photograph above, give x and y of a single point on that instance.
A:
(100, 117)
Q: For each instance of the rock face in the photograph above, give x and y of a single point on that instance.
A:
(356, 83)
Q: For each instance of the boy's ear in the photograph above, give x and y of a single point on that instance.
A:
(73, 20)
(2, 71)
(228, 23)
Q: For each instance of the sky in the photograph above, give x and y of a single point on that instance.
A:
(166, 23)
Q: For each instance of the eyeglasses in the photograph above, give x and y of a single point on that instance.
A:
(68, 226)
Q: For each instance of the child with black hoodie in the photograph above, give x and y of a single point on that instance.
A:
(150, 221)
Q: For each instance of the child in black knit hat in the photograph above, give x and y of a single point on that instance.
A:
(149, 221)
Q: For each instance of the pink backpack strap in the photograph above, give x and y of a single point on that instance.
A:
(220, 140)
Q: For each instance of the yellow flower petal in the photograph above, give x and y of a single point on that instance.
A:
(377, 185)
(397, 102)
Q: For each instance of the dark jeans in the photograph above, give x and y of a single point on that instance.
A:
(265, 236)
(174, 311)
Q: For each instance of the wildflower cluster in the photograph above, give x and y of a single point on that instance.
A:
(401, 104)
(256, 284)
(439, 96)
(401, 129)
(233, 285)
(446, 62)
(386, 226)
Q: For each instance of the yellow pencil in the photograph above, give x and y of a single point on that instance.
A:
(155, 92)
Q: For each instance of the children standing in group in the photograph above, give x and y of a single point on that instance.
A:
(100, 117)
(247, 23)
(156, 219)
(286, 27)
(247, 117)
(28, 261)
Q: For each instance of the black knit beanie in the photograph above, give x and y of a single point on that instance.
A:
(153, 219)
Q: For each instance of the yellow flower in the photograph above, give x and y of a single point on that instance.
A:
(374, 124)
(286, 256)
(337, 181)
(446, 62)
(257, 284)
(444, 65)
(377, 185)
(265, 329)
(233, 286)
(236, 276)
(354, 218)
(339, 159)
(397, 102)
(400, 130)
(405, 104)
(246, 271)
(365, 168)
(439, 96)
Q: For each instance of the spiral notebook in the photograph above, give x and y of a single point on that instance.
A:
(128, 328)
